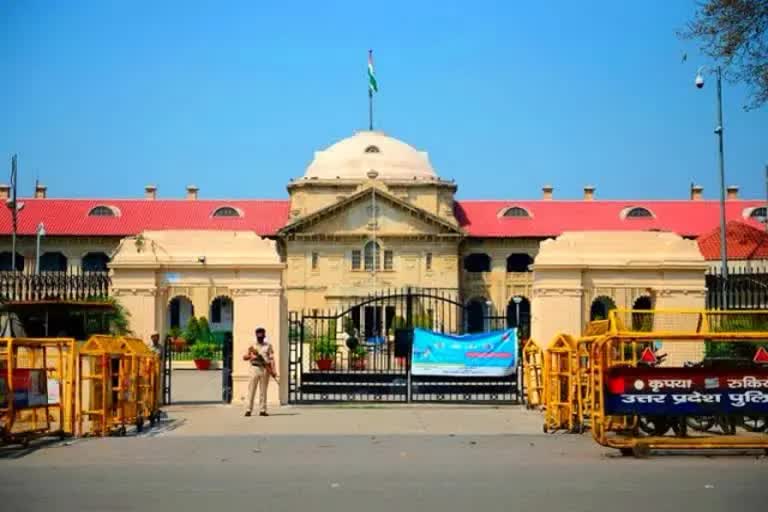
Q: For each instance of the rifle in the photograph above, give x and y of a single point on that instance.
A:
(269, 366)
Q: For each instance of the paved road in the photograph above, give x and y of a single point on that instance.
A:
(429, 473)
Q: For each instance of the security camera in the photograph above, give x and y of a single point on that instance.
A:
(201, 259)
(699, 81)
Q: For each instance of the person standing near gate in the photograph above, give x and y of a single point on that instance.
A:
(261, 358)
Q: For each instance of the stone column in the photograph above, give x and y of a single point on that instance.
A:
(259, 307)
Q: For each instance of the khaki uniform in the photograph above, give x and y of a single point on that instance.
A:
(259, 377)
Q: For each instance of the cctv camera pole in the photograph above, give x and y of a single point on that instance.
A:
(719, 132)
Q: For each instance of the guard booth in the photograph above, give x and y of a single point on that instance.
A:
(37, 379)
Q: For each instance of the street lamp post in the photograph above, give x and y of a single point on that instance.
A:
(721, 161)
(517, 300)
(40, 234)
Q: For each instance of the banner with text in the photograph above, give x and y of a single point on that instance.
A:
(492, 354)
(686, 391)
(29, 388)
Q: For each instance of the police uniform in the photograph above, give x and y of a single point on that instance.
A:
(259, 375)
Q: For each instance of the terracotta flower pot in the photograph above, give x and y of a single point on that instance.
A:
(358, 363)
(203, 364)
(324, 364)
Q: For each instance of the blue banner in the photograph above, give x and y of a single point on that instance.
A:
(491, 354)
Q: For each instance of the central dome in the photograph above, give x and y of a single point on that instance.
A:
(354, 157)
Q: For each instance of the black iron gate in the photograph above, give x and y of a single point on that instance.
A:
(359, 353)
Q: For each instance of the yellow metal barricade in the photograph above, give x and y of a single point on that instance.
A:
(103, 397)
(533, 374)
(560, 384)
(37, 381)
(140, 380)
(673, 388)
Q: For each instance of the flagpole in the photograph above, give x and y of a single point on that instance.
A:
(370, 109)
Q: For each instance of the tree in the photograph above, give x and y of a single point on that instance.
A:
(735, 33)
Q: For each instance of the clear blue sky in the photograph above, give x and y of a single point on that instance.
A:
(99, 98)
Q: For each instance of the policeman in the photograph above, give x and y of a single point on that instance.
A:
(261, 358)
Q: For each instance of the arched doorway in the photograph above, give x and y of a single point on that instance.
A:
(476, 313)
(180, 310)
(53, 262)
(221, 318)
(519, 316)
(94, 262)
(6, 261)
(600, 308)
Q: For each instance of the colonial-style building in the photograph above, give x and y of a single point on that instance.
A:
(369, 213)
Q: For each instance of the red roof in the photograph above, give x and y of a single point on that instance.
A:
(551, 218)
(70, 216)
(743, 241)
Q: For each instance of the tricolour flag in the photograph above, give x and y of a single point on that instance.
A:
(372, 85)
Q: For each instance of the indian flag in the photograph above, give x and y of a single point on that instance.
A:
(372, 85)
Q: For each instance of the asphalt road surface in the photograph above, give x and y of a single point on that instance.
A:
(371, 473)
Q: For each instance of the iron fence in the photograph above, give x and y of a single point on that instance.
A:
(353, 353)
(741, 290)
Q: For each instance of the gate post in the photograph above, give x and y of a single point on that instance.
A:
(226, 370)
(409, 324)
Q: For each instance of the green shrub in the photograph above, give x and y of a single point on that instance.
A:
(324, 348)
(192, 332)
(204, 333)
(203, 351)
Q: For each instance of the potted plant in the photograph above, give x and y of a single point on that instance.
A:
(202, 354)
(324, 353)
(178, 343)
(357, 357)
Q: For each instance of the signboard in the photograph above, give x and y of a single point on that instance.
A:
(29, 388)
(491, 354)
(686, 391)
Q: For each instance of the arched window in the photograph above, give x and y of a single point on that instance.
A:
(371, 254)
(372, 149)
(53, 262)
(519, 262)
(477, 262)
(760, 214)
(6, 261)
(94, 262)
(180, 310)
(600, 308)
(103, 211)
(516, 211)
(638, 212)
(226, 211)
(642, 321)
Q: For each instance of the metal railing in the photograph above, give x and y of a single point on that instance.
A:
(69, 285)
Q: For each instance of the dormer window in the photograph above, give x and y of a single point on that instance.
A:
(516, 211)
(104, 211)
(759, 214)
(226, 211)
(372, 149)
(638, 212)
